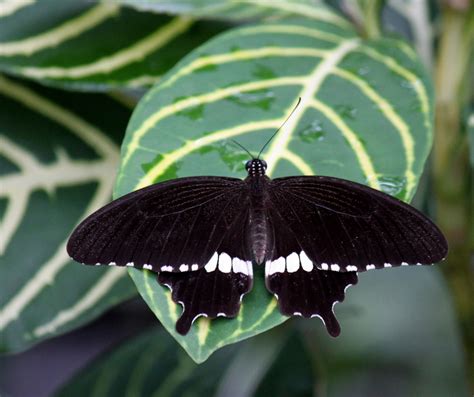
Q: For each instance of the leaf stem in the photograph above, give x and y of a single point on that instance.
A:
(371, 11)
(451, 171)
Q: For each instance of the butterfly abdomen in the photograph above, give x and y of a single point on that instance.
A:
(259, 236)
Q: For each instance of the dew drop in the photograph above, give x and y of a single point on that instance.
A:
(261, 99)
(393, 185)
(346, 111)
(312, 132)
(363, 71)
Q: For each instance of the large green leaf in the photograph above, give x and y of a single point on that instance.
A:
(149, 366)
(159, 369)
(58, 156)
(87, 45)
(277, 366)
(239, 10)
(365, 115)
(257, 314)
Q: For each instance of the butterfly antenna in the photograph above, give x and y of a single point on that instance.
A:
(279, 128)
(243, 147)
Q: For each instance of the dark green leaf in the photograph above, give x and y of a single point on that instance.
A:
(240, 10)
(84, 45)
(58, 158)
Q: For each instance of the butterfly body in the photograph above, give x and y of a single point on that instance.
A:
(259, 237)
(203, 235)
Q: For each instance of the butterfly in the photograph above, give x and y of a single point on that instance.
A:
(202, 235)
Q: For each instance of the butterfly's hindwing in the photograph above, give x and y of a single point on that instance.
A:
(171, 226)
(307, 293)
(210, 292)
(300, 287)
(344, 226)
(218, 288)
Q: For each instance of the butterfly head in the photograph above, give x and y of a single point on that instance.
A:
(256, 167)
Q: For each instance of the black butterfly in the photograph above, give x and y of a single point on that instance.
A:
(202, 235)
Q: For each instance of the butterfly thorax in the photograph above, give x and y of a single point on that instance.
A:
(258, 228)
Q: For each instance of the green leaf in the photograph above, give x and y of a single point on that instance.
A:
(239, 10)
(149, 365)
(365, 115)
(58, 156)
(83, 45)
(275, 364)
(257, 314)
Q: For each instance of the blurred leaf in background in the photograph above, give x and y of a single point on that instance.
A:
(58, 160)
(162, 370)
(81, 45)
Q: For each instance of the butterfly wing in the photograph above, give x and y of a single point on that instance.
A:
(190, 230)
(173, 226)
(326, 229)
(217, 289)
(344, 226)
(300, 287)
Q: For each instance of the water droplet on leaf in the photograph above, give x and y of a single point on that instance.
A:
(363, 71)
(312, 132)
(393, 185)
(262, 99)
(346, 111)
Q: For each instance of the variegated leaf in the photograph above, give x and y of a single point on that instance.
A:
(93, 46)
(149, 366)
(240, 10)
(58, 158)
(159, 369)
(365, 115)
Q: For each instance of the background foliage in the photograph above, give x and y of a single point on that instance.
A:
(366, 71)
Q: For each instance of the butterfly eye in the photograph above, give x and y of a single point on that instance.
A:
(264, 163)
(248, 164)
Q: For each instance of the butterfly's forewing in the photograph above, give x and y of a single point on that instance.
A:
(344, 226)
(174, 226)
